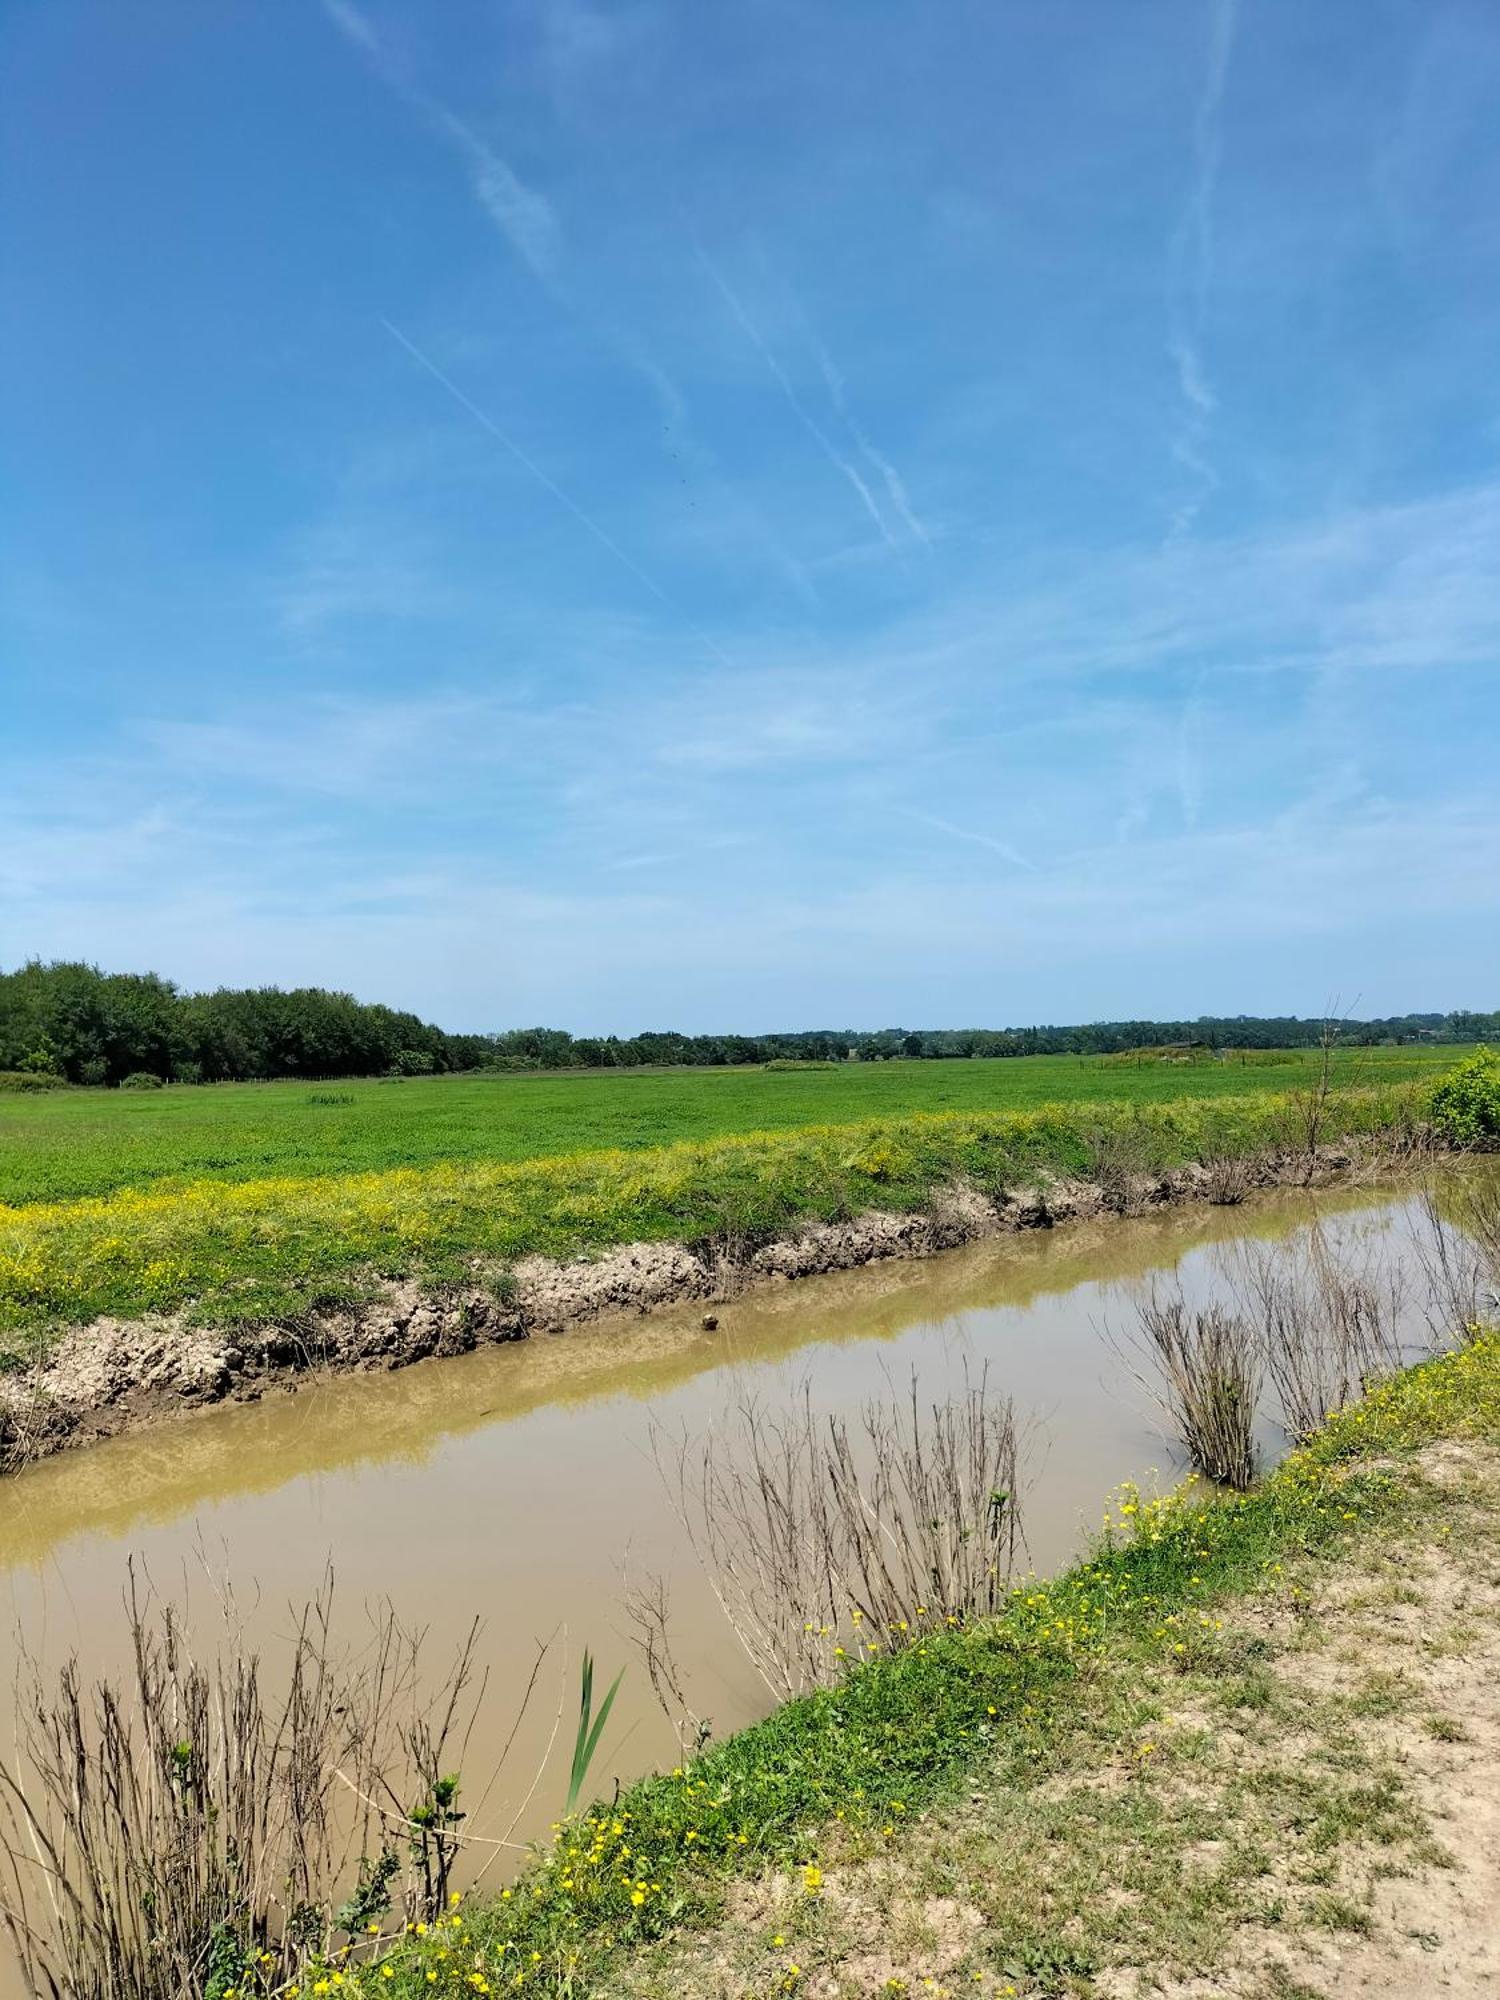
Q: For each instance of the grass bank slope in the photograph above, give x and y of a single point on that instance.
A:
(71, 1143)
(1248, 1738)
(277, 1247)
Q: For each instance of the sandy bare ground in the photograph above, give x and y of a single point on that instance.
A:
(1309, 1810)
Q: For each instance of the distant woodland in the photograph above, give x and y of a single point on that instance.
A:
(85, 1026)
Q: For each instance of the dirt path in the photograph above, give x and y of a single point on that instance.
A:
(1301, 1803)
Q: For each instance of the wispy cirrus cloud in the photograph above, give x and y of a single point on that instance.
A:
(530, 223)
(815, 431)
(895, 485)
(356, 27)
(491, 839)
(522, 213)
(340, 747)
(1190, 259)
(479, 936)
(419, 699)
(341, 574)
(524, 216)
(1001, 847)
(545, 480)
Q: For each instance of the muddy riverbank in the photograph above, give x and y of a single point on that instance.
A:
(113, 1376)
(523, 1484)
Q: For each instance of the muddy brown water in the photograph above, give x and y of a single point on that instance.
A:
(515, 1482)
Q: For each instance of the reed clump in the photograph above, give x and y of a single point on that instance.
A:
(1476, 1211)
(828, 1542)
(1322, 1322)
(1228, 1179)
(198, 1825)
(1458, 1246)
(1208, 1374)
(1325, 1330)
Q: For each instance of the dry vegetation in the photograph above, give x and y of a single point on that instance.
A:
(1319, 1325)
(1210, 1369)
(827, 1544)
(204, 1809)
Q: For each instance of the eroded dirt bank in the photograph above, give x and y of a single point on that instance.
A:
(114, 1375)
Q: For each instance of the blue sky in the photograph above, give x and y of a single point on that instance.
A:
(758, 515)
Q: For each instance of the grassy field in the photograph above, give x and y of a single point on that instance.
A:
(67, 1144)
(246, 1250)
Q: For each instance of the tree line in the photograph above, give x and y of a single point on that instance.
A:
(554, 1048)
(89, 1026)
(92, 1027)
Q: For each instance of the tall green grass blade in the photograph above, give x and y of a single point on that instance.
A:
(590, 1727)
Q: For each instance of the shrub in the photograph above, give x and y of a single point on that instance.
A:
(29, 1079)
(140, 1079)
(1466, 1104)
(93, 1070)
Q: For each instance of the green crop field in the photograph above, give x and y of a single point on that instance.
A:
(246, 1202)
(62, 1145)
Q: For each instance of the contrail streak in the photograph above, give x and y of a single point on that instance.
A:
(487, 422)
(820, 437)
(895, 485)
(1000, 847)
(1190, 265)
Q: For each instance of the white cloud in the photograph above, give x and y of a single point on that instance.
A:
(494, 838)
(1189, 270)
(353, 24)
(895, 485)
(1003, 848)
(799, 409)
(523, 215)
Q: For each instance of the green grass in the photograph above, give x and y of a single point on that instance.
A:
(848, 1769)
(274, 1247)
(72, 1143)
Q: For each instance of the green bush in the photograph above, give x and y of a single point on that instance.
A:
(30, 1079)
(1466, 1104)
(140, 1079)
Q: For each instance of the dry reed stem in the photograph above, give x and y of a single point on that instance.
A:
(825, 1542)
(152, 1824)
(1325, 1330)
(1204, 1369)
